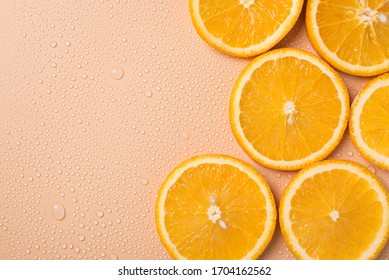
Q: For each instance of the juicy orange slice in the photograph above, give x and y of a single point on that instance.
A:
(215, 207)
(352, 35)
(369, 121)
(244, 27)
(335, 209)
(288, 109)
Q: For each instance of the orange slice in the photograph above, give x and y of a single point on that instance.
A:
(288, 109)
(369, 121)
(352, 35)
(244, 27)
(215, 207)
(335, 209)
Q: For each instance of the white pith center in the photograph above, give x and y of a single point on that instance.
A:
(214, 214)
(334, 215)
(382, 18)
(368, 15)
(289, 109)
(246, 3)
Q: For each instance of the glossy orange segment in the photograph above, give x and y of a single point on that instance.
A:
(351, 35)
(336, 210)
(215, 211)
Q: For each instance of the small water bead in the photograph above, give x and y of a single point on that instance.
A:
(99, 214)
(53, 44)
(185, 135)
(371, 168)
(40, 81)
(58, 211)
(350, 154)
(148, 94)
(67, 43)
(113, 257)
(81, 237)
(117, 73)
(144, 181)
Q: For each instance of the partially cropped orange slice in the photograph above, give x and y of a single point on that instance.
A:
(215, 207)
(288, 109)
(369, 121)
(335, 209)
(244, 27)
(352, 35)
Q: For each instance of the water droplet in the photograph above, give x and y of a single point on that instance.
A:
(53, 44)
(40, 81)
(99, 214)
(185, 135)
(144, 181)
(81, 237)
(48, 91)
(113, 257)
(53, 64)
(371, 168)
(148, 94)
(350, 154)
(117, 73)
(67, 43)
(58, 211)
(30, 179)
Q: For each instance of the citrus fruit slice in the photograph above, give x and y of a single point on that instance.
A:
(335, 209)
(351, 35)
(215, 207)
(288, 109)
(369, 121)
(244, 27)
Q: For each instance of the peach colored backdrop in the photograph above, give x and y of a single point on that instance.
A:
(99, 100)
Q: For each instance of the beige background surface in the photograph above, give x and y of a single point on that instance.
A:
(83, 151)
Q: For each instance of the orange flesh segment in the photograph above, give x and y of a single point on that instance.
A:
(353, 40)
(262, 103)
(242, 27)
(189, 200)
(374, 121)
(356, 203)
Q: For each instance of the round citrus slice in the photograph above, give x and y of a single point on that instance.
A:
(351, 35)
(335, 209)
(288, 109)
(244, 27)
(369, 121)
(215, 207)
